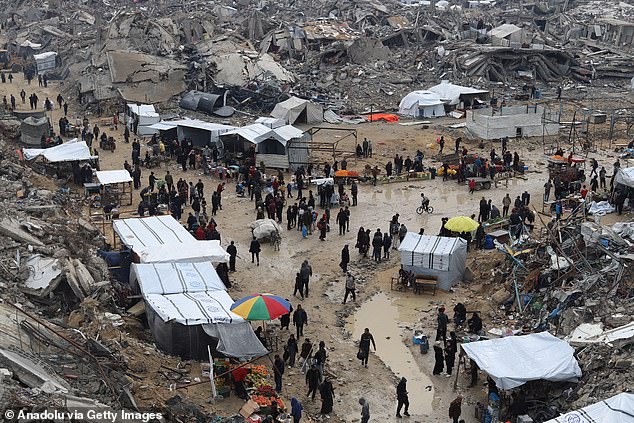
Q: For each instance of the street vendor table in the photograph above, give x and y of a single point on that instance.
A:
(272, 340)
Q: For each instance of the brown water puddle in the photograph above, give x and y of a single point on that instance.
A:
(382, 317)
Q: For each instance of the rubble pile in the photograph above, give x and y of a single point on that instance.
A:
(577, 282)
(349, 55)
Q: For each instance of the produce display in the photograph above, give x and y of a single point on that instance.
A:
(257, 376)
(265, 396)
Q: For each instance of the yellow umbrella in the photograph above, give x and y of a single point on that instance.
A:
(461, 224)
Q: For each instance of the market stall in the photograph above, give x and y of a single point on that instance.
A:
(116, 187)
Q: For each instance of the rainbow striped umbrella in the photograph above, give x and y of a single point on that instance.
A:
(261, 307)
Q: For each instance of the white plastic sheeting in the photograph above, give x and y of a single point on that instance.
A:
(107, 177)
(593, 333)
(515, 360)
(162, 239)
(421, 104)
(450, 93)
(264, 228)
(67, 152)
(601, 208)
(625, 176)
(174, 278)
(442, 257)
(194, 308)
(617, 409)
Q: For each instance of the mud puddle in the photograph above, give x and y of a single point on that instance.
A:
(382, 317)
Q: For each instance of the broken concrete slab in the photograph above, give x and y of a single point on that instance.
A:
(30, 372)
(12, 228)
(44, 275)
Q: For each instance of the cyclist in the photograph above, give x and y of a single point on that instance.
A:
(424, 201)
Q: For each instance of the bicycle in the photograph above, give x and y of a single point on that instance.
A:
(421, 209)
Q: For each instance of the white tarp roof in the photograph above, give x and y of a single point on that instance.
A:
(107, 177)
(617, 409)
(270, 122)
(256, 133)
(515, 360)
(451, 93)
(206, 126)
(44, 56)
(430, 252)
(146, 110)
(161, 239)
(67, 152)
(625, 176)
(411, 104)
(288, 132)
(194, 308)
(504, 30)
(292, 108)
(163, 125)
(175, 278)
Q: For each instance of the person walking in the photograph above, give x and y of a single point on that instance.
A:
(233, 253)
(364, 347)
(300, 318)
(327, 393)
(292, 349)
(313, 379)
(285, 319)
(305, 272)
(365, 410)
(299, 286)
(351, 288)
(402, 398)
(377, 244)
(471, 186)
(439, 359)
(443, 320)
(354, 190)
(341, 220)
(547, 186)
(278, 370)
(345, 258)
(296, 410)
(455, 409)
(387, 243)
(255, 249)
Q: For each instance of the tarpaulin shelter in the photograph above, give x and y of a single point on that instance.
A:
(188, 309)
(453, 95)
(116, 186)
(68, 152)
(161, 239)
(298, 110)
(442, 257)
(272, 145)
(515, 360)
(45, 61)
(140, 117)
(625, 176)
(421, 104)
(33, 128)
(617, 409)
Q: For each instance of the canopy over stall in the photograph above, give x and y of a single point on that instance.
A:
(298, 110)
(617, 409)
(188, 309)
(116, 185)
(442, 257)
(515, 360)
(161, 239)
(68, 152)
(107, 177)
(421, 104)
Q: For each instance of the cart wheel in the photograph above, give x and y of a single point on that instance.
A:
(419, 210)
(487, 185)
(430, 209)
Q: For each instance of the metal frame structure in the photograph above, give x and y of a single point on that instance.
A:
(325, 146)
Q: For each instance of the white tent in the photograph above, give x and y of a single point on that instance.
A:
(162, 239)
(617, 409)
(451, 94)
(515, 360)
(625, 176)
(422, 104)
(45, 61)
(298, 110)
(143, 116)
(107, 177)
(443, 257)
(67, 152)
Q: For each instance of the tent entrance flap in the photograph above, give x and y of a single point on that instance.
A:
(236, 340)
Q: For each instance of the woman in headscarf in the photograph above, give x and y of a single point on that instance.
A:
(296, 410)
(327, 392)
(438, 355)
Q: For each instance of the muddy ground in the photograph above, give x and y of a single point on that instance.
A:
(391, 316)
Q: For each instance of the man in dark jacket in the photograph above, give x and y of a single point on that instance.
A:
(254, 249)
(305, 272)
(402, 398)
(345, 258)
(278, 369)
(233, 252)
(341, 220)
(364, 346)
(377, 245)
(313, 379)
(300, 318)
(443, 320)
